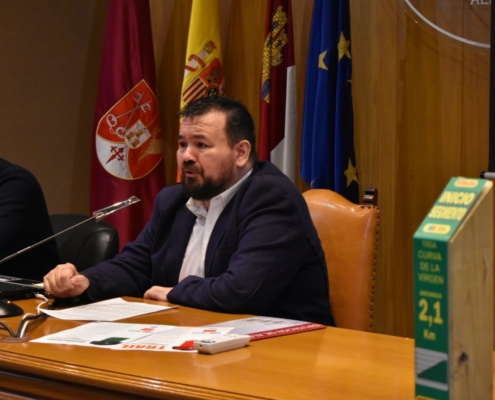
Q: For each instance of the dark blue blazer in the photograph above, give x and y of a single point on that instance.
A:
(264, 256)
(24, 221)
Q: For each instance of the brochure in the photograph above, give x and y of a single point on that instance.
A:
(122, 336)
(266, 327)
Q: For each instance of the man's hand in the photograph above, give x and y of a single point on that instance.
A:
(64, 281)
(158, 293)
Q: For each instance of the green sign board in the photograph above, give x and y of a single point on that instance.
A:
(431, 288)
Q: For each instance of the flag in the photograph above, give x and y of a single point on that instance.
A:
(203, 71)
(277, 139)
(127, 158)
(328, 158)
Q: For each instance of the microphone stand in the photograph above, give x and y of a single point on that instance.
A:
(97, 216)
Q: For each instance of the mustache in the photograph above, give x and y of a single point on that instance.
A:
(191, 167)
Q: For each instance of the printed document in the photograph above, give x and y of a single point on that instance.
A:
(122, 336)
(107, 310)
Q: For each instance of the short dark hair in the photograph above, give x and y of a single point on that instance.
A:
(239, 124)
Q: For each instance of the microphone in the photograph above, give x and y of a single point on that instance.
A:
(97, 216)
(487, 175)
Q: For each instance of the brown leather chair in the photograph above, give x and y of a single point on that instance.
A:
(349, 235)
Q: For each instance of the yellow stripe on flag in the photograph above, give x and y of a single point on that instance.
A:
(203, 72)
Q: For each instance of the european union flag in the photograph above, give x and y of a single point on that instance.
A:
(328, 159)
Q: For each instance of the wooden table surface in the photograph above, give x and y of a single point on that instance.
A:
(330, 363)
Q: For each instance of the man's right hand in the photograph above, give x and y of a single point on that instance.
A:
(64, 281)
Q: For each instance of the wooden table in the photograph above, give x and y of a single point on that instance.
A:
(325, 364)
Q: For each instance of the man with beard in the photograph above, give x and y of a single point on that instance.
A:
(235, 236)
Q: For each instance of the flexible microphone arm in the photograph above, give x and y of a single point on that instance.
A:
(97, 216)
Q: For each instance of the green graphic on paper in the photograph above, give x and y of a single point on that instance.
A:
(431, 313)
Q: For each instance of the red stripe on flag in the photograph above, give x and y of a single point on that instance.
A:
(193, 91)
(278, 46)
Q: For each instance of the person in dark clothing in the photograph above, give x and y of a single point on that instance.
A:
(235, 236)
(24, 221)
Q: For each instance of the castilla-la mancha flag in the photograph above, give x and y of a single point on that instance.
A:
(127, 157)
(277, 140)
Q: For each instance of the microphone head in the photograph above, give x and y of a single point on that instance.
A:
(102, 213)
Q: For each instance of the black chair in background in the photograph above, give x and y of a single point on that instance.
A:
(87, 244)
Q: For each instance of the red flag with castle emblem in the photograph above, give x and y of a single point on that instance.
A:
(277, 140)
(127, 157)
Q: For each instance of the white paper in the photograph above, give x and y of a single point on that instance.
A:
(107, 310)
(122, 336)
(179, 338)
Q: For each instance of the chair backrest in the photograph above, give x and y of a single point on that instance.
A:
(87, 244)
(349, 235)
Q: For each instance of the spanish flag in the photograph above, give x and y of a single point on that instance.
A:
(203, 71)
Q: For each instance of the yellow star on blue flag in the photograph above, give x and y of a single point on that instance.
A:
(321, 60)
(351, 173)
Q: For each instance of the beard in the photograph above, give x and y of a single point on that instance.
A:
(209, 187)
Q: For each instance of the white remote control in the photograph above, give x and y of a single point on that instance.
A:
(221, 343)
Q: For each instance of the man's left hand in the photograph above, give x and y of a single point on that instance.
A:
(158, 293)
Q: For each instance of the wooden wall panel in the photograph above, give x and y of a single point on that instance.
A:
(420, 175)
(49, 76)
(375, 91)
(243, 53)
(430, 124)
(173, 40)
